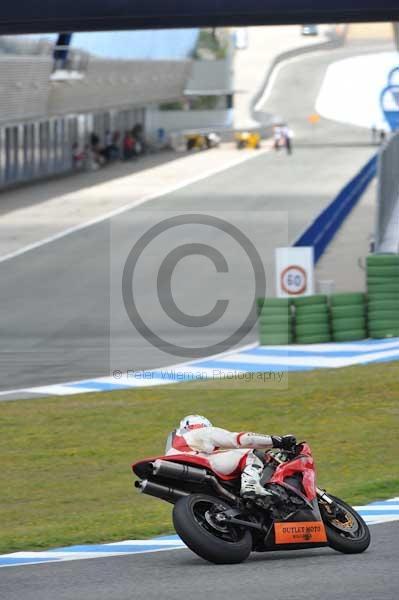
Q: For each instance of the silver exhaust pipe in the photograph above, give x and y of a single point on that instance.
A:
(160, 491)
(171, 470)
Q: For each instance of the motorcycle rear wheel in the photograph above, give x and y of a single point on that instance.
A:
(350, 535)
(194, 518)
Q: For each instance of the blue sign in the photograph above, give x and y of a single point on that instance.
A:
(390, 105)
(393, 77)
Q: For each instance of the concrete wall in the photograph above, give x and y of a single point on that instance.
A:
(115, 83)
(24, 87)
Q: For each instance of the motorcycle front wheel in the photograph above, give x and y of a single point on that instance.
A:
(197, 521)
(346, 530)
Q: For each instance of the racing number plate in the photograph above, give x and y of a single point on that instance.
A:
(307, 532)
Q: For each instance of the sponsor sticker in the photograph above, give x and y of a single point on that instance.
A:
(302, 532)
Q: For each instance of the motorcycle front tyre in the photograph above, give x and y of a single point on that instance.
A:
(337, 538)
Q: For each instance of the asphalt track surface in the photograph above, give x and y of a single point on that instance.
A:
(178, 574)
(61, 309)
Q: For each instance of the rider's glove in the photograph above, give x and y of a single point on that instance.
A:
(287, 442)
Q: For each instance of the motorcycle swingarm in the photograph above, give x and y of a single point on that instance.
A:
(231, 517)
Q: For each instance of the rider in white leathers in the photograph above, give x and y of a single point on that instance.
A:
(227, 453)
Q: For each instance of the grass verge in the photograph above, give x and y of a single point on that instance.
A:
(65, 473)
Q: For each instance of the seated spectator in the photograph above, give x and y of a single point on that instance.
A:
(115, 147)
(90, 159)
(107, 153)
(78, 156)
(138, 134)
(128, 146)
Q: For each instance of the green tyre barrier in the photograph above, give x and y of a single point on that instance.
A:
(275, 302)
(383, 315)
(347, 312)
(350, 299)
(272, 329)
(313, 339)
(342, 325)
(314, 319)
(275, 340)
(383, 260)
(310, 300)
(383, 297)
(382, 334)
(383, 271)
(275, 312)
(381, 324)
(316, 309)
(310, 330)
(378, 281)
(381, 289)
(391, 305)
(275, 320)
(350, 335)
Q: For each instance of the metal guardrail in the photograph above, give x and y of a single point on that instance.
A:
(387, 226)
(320, 233)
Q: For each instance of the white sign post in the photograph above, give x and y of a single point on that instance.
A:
(294, 272)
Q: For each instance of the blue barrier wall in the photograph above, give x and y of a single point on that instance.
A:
(320, 233)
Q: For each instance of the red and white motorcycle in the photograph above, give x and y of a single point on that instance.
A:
(218, 525)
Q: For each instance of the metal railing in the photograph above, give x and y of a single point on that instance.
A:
(387, 225)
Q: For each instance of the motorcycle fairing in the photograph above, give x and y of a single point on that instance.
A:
(297, 532)
(302, 465)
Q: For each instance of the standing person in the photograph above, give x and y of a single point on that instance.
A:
(115, 147)
(277, 138)
(383, 136)
(374, 135)
(128, 146)
(108, 145)
(94, 141)
(287, 137)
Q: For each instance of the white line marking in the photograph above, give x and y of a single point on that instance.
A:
(272, 79)
(63, 388)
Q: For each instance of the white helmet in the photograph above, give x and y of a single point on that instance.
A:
(193, 422)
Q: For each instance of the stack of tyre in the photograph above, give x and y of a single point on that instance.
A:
(348, 317)
(383, 295)
(312, 320)
(275, 321)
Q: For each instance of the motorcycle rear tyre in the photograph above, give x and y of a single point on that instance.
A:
(201, 541)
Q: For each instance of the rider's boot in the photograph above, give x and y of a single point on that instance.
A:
(250, 482)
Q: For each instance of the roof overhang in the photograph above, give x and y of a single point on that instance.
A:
(25, 16)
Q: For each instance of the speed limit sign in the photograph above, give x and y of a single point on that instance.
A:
(294, 271)
(294, 280)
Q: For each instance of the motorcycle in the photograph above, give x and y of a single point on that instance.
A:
(221, 527)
